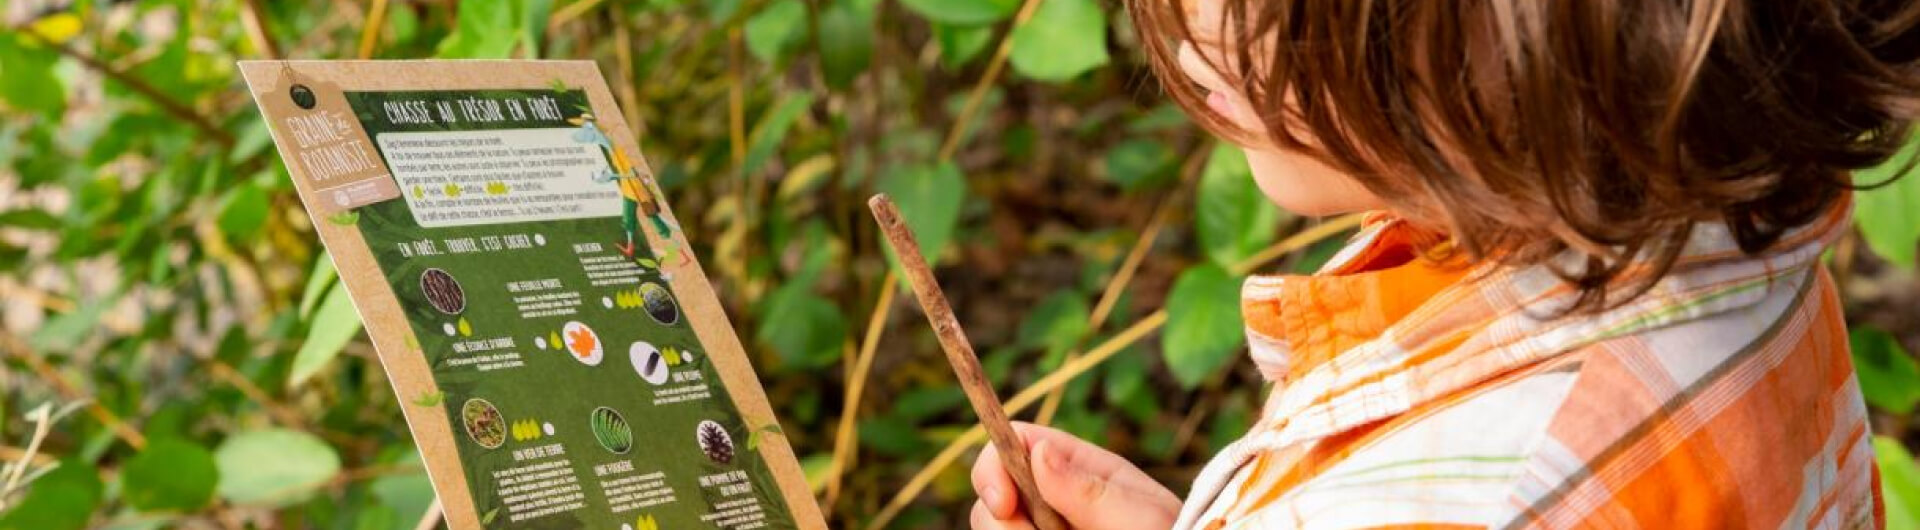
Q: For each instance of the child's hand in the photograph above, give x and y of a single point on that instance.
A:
(1092, 488)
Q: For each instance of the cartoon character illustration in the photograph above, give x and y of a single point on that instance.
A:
(636, 190)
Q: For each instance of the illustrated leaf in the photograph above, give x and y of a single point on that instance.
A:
(1889, 216)
(583, 342)
(775, 28)
(1204, 329)
(63, 499)
(169, 475)
(1899, 483)
(963, 12)
(466, 329)
(273, 467)
(334, 324)
(1888, 375)
(1232, 218)
(430, 399)
(1065, 38)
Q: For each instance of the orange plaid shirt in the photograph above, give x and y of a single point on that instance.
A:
(1410, 393)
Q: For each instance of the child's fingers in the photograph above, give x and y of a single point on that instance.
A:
(993, 485)
(984, 519)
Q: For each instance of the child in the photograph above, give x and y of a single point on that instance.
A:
(1590, 293)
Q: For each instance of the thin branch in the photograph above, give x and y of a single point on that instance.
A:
(992, 75)
(11, 453)
(845, 445)
(370, 30)
(629, 92)
(252, 17)
(167, 103)
(1099, 354)
(67, 390)
(572, 11)
(431, 519)
(1124, 277)
(281, 413)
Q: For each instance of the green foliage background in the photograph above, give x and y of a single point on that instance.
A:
(175, 340)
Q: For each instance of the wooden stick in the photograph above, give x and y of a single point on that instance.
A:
(1013, 452)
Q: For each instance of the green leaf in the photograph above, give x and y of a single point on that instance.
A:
(29, 218)
(1889, 216)
(1137, 164)
(1888, 375)
(318, 281)
(775, 29)
(1229, 424)
(806, 330)
(333, 325)
(1232, 219)
(63, 499)
(409, 494)
(169, 475)
(963, 12)
(919, 403)
(1065, 38)
(959, 44)
(533, 24)
(1056, 324)
(1899, 483)
(1204, 330)
(243, 211)
(891, 436)
(482, 30)
(849, 50)
(27, 78)
(929, 198)
(772, 130)
(273, 467)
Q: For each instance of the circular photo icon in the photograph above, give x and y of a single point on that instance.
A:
(582, 343)
(443, 292)
(659, 303)
(611, 430)
(648, 362)
(483, 422)
(714, 441)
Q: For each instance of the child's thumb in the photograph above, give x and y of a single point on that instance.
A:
(1080, 495)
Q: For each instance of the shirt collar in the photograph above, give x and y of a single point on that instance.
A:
(1464, 324)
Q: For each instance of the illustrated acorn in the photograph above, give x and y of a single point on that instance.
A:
(715, 442)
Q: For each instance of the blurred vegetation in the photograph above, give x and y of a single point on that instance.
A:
(178, 354)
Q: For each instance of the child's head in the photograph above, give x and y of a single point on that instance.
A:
(1527, 127)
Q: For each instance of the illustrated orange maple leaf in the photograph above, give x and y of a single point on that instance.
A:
(582, 342)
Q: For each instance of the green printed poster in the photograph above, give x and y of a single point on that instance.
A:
(563, 358)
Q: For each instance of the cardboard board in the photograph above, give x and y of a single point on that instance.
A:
(561, 359)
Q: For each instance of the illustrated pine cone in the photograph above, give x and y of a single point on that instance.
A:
(714, 441)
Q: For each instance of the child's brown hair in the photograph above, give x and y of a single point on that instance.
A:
(1528, 127)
